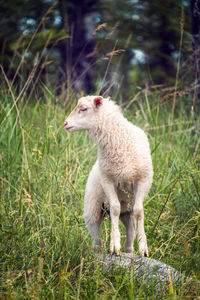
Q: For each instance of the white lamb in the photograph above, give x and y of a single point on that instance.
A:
(122, 175)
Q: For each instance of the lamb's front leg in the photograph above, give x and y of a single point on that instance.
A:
(109, 190)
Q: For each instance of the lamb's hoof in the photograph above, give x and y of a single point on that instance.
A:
(115, 246)
(114, 251)
(129, 253)
(118, 252)
(129, 250)
(143, 250)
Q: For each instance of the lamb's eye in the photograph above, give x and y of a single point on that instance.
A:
(83, 109)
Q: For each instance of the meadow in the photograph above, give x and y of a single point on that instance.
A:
(45, 250)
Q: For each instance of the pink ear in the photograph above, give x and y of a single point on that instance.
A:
(98, 100)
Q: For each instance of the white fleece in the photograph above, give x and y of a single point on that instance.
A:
(122, 175)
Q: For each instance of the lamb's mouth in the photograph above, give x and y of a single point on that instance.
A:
(69, 128)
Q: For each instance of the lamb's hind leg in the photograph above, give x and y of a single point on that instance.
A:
(93, 216)
(93, 200)
(127, 220)
(93, 228)
(140, 191)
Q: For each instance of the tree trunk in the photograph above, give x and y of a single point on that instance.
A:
(195, 8)
(75, 51)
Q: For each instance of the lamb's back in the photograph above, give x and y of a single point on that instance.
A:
(128, 155)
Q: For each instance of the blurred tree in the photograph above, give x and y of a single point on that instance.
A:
(78, 52)
(155, 28)
(195, 8)
(76, 44)
(18, 22)
(63, 37)
(10, 13)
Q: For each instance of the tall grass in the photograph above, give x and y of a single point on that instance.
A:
(45, 250)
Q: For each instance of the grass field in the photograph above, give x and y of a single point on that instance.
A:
(45, 249)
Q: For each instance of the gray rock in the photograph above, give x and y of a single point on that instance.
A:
(147, 270)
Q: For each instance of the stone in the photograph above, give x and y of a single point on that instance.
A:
(147, 270)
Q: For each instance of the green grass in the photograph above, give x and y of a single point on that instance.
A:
(45, 249)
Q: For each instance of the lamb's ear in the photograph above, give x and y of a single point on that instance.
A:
(98, 101)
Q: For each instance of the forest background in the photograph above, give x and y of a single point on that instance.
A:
(101, 45)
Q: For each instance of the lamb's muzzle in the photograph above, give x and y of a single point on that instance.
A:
(122, 175)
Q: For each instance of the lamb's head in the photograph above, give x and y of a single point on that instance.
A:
(84, 114)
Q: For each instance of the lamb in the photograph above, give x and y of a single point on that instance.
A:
(122, 175)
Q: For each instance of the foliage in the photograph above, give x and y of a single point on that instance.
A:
(45, 249)
(75, 42)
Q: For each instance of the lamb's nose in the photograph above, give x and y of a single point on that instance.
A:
(65, 123)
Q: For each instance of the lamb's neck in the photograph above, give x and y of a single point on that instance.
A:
(106, 136)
